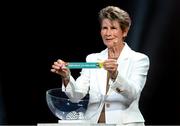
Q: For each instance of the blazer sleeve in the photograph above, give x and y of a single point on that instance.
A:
(130, 87)
(83, 81)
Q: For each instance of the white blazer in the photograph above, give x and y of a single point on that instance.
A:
(121, 103)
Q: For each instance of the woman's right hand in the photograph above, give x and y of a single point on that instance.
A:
(59, 67)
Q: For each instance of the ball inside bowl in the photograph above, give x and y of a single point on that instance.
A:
(67, 107)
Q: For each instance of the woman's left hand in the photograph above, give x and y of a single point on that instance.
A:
(111, 66)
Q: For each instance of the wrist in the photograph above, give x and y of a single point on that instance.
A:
(65, 80)
(67, 77)
(113, 77)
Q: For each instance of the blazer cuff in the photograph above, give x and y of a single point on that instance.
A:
(118, 84)
(70, 85)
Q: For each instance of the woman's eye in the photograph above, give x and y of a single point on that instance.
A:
(104, 28)
(113, 28)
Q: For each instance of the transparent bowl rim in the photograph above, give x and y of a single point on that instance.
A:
(61, 98)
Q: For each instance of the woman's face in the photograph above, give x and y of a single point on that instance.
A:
(112, 33)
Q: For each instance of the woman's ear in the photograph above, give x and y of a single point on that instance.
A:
(125, 32)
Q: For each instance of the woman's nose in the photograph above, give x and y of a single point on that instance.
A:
(108, 32)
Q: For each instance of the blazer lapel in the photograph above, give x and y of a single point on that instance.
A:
(125, 53)
(123, 60)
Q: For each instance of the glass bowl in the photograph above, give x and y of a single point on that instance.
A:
(80, 106)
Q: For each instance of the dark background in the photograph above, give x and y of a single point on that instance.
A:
(36, 34)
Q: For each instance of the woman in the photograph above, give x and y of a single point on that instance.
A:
(123, 76)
